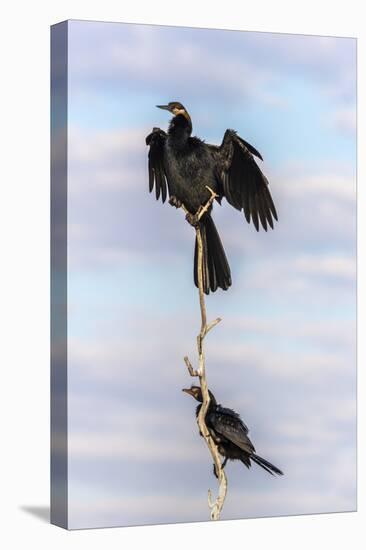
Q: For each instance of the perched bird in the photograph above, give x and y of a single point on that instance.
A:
(229, 433)
(185, 167)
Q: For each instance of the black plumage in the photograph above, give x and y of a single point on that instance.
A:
(183, 167)
(230, 433)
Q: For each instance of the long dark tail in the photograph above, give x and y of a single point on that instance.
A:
(266, 465)
(216, 270)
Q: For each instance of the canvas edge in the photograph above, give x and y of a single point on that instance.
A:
(58, 283)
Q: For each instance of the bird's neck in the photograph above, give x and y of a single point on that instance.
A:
(211, 405)
(180, 129)
(198, 408)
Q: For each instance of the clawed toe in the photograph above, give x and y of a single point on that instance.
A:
(173, 201)
(193, 219)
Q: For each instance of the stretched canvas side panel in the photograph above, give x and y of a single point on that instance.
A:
(59, 492)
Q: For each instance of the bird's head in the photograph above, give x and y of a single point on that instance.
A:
(196, 392)
(176, 109)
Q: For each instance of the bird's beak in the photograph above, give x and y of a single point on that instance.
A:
(189, 391)
(165, 107)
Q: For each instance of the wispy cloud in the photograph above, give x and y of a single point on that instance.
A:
(235, 63)
(345, 120)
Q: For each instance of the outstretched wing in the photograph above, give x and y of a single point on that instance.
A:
(245, 186)
(229, 424)
(157, 175)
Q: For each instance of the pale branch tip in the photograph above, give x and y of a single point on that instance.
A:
(213, 324)
(192, 372)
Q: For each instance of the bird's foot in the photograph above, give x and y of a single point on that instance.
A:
(173, 201)
(192, 219)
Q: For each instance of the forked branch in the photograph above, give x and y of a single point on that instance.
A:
(217, 504)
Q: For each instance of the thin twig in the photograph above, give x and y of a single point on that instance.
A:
(217, 504)
(204, 208)
(192, 372)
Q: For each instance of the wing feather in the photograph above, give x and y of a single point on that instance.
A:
(244, 185)
(229, 424)
(261, 209)
(157, 173)
(254, 211)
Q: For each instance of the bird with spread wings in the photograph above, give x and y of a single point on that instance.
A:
(188, 170)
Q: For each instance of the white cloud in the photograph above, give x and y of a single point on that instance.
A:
(303, 366)
(130, 446)
(345, 120)
(303, 273)
(328, 266)
(238, 64)
(134, 510)
(322, 332)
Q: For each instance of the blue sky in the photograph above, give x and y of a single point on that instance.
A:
(284, 355)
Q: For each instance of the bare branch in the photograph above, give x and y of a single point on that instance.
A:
(212, 324)
(217, 504)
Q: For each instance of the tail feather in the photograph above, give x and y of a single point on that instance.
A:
(270, 468)
(215, 268)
